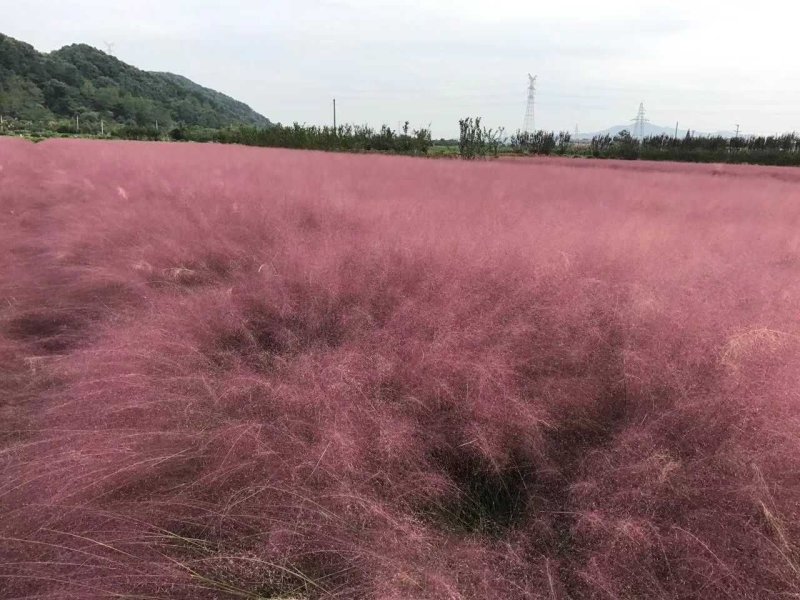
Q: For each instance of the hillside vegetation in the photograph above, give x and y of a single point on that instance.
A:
(79, 80)
(234, 372)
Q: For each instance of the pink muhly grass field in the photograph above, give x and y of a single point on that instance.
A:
(230, 372)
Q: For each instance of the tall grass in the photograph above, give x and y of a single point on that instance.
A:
(244, 373)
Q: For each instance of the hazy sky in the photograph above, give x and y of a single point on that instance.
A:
(706, 64)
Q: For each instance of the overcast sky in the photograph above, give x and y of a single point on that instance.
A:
(707, 64)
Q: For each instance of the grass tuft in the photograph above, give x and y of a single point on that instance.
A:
(243, 373)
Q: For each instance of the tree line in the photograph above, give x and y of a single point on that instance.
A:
(477, 141)
(345, 137)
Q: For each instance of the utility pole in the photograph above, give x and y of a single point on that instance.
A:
(77, 125)
(102, 131)
(334, 116)
(676, 130)
(737, 131)
(529, 124)
(156, 125)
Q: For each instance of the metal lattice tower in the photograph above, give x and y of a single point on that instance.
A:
(529, 124)
(638, 123)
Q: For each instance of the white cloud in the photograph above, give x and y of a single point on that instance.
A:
(706, 64)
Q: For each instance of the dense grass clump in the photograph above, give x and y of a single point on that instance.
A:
(248, 373)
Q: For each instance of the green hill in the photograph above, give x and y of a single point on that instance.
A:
(79, 80)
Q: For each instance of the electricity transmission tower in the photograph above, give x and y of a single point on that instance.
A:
(638, 123)
(109, 47)
(529, 124)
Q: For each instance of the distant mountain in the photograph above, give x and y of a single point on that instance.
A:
(649, 129)
(653, 130)
(727, 134)
(84, 81)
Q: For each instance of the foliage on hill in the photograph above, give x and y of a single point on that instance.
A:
(81, 81)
